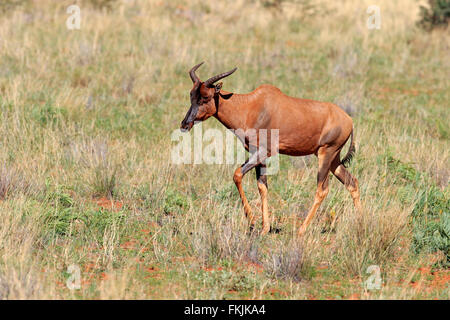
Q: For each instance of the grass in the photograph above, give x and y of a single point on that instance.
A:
(86, 177)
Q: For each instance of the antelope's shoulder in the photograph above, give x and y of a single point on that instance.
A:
(267, 88)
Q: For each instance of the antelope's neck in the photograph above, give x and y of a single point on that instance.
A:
(232, 112)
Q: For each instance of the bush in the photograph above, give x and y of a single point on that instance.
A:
(59, 218)
(399, 172)
(431, 224)
(48, 115)
(66, 219)
(437, 15)
(175, 202)
(434, 236)
(287, 261)
(213, 242)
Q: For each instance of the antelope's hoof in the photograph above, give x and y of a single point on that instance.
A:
(265, 230)
(274, 230)
(301, 232)
(251, 229)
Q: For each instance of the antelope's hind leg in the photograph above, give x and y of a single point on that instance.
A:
(349, 181)
(261, 178)
(325, 156)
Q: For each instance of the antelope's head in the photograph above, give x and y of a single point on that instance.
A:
(203, 105)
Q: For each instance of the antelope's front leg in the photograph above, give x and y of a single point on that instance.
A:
(238, 175)
(255, 160)
(261, 178)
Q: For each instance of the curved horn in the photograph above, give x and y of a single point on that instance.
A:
(211, 80)
(194, 77)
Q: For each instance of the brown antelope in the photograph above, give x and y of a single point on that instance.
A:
(304, 127)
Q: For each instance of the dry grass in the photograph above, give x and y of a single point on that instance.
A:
(88, 114)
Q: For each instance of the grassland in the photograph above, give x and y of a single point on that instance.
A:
(86, 177)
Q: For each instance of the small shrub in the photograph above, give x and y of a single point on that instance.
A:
(287, 262)
(436, 15)
(175, 202)
(431, 224)
(48, 115)
(433, 236)
(229, 191)
(60, 220)
(400, 172)
(431, 202)
(98, 221)
(60, 217)
(442, 129)
(214, 242)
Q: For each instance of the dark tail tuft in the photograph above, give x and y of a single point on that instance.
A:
(351, 152)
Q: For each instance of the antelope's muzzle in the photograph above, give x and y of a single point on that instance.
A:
(186, 126)
(188, 120)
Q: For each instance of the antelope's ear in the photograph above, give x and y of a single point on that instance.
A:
(218, 87)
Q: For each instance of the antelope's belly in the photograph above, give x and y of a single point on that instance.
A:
(299, 149)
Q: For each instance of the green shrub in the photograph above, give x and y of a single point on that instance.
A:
(433, 236)
(431, 202)
(62, 214)
(399, 172)
(436, 15)
(47, 115)
(431, 224)
(60, 220)
(175, 202)
(229, 191)
(98, 221)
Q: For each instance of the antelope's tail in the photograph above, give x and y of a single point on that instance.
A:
(350, 153)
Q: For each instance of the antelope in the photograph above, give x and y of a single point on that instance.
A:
(304, 127)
